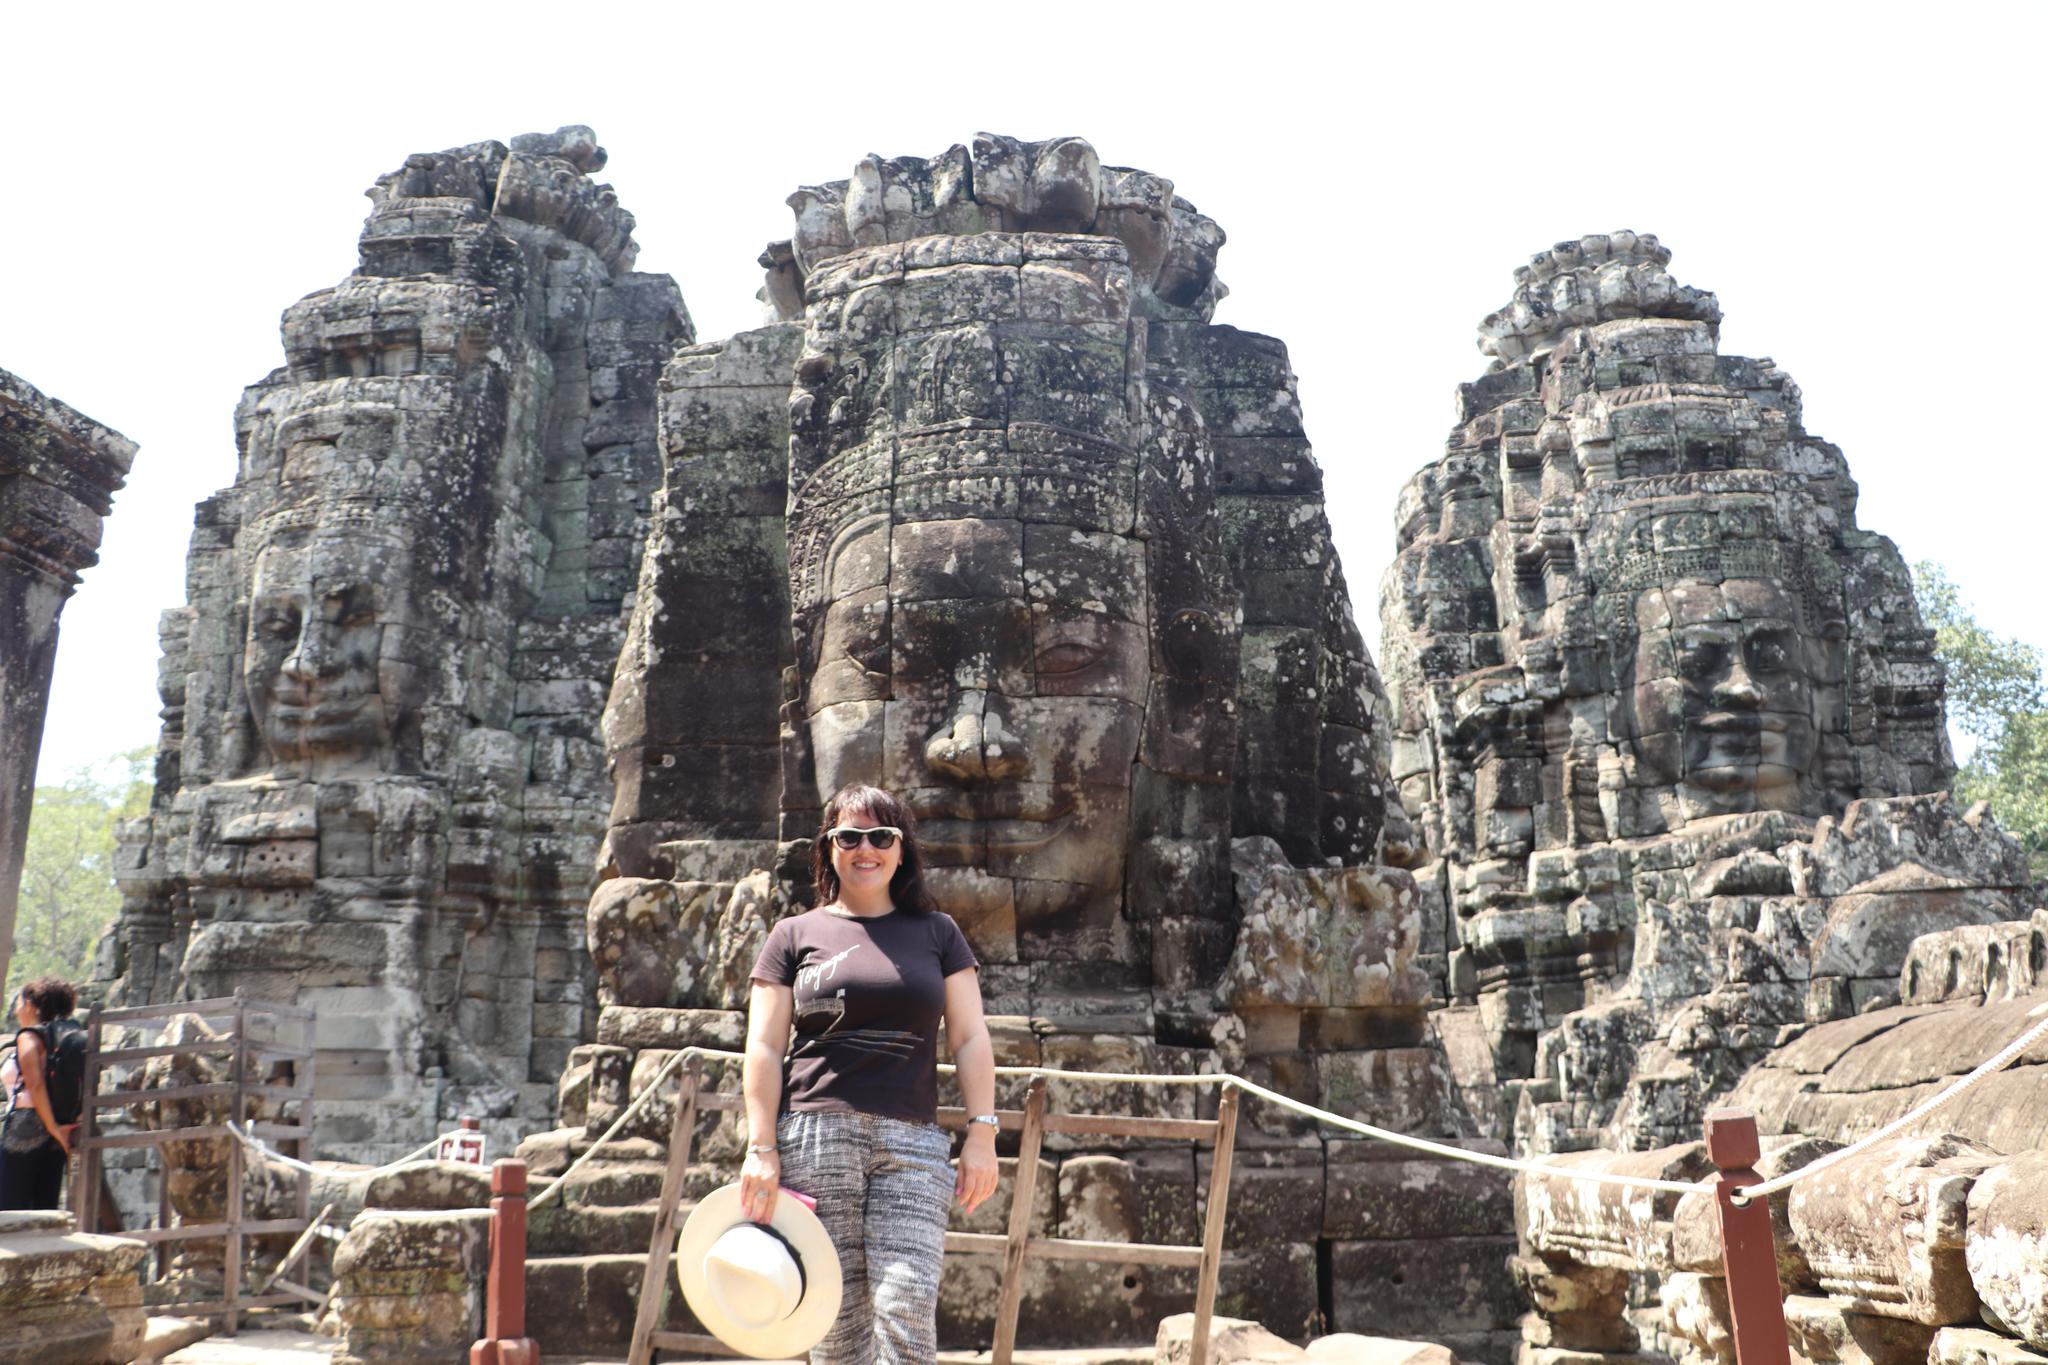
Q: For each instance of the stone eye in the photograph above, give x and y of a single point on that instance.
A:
(1067, 657)
(1769, 654)
(277, 625)
(1706, 659)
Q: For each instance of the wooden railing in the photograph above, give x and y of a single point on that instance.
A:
(245, 1055)
(1015, 1246)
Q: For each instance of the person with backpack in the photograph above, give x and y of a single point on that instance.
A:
(45, 1096)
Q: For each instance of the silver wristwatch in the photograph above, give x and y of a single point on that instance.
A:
(994, 1121)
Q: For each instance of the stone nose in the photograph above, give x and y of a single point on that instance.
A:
(1739, 688)
(975, 745)
(310, 650)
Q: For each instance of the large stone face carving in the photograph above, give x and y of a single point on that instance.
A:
(1655, 697)
(380, 779)
(994, 516)
(998, 520)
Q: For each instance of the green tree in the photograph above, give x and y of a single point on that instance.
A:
(1998, 696)
(67, 880)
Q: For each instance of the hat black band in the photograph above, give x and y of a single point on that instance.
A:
(803, 1278)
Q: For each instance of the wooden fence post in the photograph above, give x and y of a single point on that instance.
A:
(1749, 1252)
(505, 1341)
(1023, 1190)
(238, 1113)
(1212, 1227)
(661, 1246)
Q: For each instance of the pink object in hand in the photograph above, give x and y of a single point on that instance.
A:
(806, 1200)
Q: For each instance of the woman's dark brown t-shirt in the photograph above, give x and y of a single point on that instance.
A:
(870, 994)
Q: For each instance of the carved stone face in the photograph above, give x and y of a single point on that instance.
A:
(325, 685)
(1723, 695)
(996, 681)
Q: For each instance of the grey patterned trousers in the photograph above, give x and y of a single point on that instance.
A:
(883, 1187)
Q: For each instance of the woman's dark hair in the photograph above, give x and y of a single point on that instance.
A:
(906, 888)
(52, 996)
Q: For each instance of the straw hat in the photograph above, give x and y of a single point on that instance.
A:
(766, 1290)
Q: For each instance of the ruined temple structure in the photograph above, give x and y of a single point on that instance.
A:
(1666, 718)
(525, 648)
(59, 471)
(380, 786)
(993, 514)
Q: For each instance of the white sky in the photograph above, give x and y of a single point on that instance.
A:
(1860, 185)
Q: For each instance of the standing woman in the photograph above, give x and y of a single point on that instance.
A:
(850, 1116)
(34, 1143)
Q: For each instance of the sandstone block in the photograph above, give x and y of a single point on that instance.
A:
(1975, 1346)
(2006, 1242)
(1376, 1191)
(1885, 1231)
(1350, 1348)
(1238, 1341)
(409, 1286)
(1600, 1224)
(1824, 1332)
(1407, 1289)
(66, 1296)
(1276, 1194)
(1696, 1311)
(430, 1185)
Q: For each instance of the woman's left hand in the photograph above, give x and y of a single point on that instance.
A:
(978, 1173)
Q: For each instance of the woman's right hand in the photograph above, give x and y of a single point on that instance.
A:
(760, 1179)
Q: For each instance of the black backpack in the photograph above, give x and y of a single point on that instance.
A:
(65, 1068)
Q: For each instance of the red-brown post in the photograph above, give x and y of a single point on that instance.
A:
(505, 1341)
(1749, 1253)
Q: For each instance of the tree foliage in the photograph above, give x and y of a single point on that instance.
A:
(1998, 696)
(67, 879)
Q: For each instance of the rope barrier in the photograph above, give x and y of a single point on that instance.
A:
(1997, 1062)
(1224, 1078)
(653, 1086)
(271, 1154)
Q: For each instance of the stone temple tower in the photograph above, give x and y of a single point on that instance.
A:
(992, 513)
(379, 782)
(1643, 666)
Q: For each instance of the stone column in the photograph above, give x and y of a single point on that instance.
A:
(58, 473)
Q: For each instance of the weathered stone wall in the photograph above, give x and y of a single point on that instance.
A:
(380, 779)
(1661, 712)
(58, 473)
